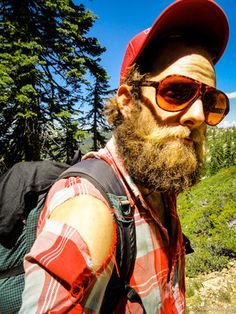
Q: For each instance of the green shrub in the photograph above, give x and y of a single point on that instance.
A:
(206, 213)
(192, 288)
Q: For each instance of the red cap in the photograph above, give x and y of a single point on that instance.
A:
(205, 20)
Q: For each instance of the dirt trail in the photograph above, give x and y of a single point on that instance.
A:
(213, 293)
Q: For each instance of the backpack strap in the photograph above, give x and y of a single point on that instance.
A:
(103, 177)
(14, 271)
(99, 173)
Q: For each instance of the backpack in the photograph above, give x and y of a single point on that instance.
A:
(23, 190)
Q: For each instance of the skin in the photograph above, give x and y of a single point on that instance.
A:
(87, 214)
(194, 66)
(93, 212)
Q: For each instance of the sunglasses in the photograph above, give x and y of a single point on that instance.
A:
(176, 92)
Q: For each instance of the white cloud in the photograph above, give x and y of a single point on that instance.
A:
(227, 124)
(231, 95)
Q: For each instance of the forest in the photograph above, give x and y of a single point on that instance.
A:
(52, 84)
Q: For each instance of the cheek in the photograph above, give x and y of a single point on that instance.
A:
(160, 115)
(168, 117)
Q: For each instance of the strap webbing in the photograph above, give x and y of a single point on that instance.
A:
(14, 271)
(99, 173)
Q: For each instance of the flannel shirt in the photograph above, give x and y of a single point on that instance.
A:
(59, 273)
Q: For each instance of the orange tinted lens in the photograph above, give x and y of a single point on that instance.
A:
(216, 106)
(176, 92)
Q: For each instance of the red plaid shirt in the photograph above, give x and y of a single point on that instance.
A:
(59, 273)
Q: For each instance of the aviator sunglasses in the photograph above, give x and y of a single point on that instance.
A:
(177, 92)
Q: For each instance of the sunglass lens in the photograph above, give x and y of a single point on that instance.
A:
(175, 93)
(216, 106)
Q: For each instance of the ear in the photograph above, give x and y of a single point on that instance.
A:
(124, 99)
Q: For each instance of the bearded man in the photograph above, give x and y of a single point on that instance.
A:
(166, 98)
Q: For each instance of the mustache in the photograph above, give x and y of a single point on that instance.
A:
(163, 133)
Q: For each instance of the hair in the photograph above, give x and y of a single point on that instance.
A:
(112, 111)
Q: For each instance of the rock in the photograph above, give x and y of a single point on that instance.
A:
(214, 292)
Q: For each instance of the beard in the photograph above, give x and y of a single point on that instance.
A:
(159, 157)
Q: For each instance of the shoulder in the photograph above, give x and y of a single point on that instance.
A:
(94, 222)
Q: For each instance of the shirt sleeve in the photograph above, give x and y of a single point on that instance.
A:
(58, 269)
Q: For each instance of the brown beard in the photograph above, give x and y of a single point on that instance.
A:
(155, 156)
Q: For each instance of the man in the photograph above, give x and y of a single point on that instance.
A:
(166, 98)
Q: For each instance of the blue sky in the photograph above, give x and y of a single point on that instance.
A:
(120, 20)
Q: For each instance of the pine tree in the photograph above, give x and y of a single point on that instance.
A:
(62, 140)
(94, 120)
(45, 55)
(221, 149)
(229, 147)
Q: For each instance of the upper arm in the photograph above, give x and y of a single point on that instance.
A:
(94, 222)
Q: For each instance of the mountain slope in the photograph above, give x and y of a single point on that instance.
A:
(208, 217)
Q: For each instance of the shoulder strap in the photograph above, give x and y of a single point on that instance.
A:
(99, 173)
(103, 177)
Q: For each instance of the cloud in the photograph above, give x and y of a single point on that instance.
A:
(227, 124)
(231, 95)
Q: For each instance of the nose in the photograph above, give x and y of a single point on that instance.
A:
(194, 115)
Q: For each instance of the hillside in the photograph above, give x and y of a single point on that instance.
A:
(208, 217)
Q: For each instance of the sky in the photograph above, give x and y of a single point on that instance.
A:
(120, 20)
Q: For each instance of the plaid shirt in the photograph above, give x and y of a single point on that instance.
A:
(59, 273)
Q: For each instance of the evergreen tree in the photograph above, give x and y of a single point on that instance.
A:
(62, 140)
(216, 158)
(94, 120)
(221, 149)
(45, 55)
(229, 147)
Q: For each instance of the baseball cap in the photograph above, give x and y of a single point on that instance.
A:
(202, 20)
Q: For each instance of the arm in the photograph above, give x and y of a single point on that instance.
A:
(93, 220)
(63, 282)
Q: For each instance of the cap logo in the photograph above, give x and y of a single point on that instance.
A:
(146, 31)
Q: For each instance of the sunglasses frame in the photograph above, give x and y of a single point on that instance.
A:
(202, 89)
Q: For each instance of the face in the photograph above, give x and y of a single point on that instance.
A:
(163, 150)
(195, 66)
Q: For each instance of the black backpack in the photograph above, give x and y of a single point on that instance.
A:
(23, 190)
